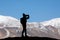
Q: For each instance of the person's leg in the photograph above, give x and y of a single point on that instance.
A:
(23, 32)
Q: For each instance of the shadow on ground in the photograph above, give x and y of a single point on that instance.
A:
(30, 38)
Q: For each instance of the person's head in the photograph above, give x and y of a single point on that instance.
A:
(23, 14)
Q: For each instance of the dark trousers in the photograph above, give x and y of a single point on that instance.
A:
(24, 31)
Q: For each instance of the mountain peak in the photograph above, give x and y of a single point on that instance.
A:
(54, 22)
(8, 21)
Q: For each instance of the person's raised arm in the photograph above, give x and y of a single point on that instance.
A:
(27, 17)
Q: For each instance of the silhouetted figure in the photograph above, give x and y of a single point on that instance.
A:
(23, 21)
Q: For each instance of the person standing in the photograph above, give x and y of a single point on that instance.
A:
(23, 21)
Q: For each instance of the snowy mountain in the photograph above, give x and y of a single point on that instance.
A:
(7, 21)
(11, 27)
(54, 22)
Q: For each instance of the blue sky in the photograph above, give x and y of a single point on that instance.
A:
(39, 10)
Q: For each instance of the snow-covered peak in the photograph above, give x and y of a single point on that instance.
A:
(8, 21)
(53, 22)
